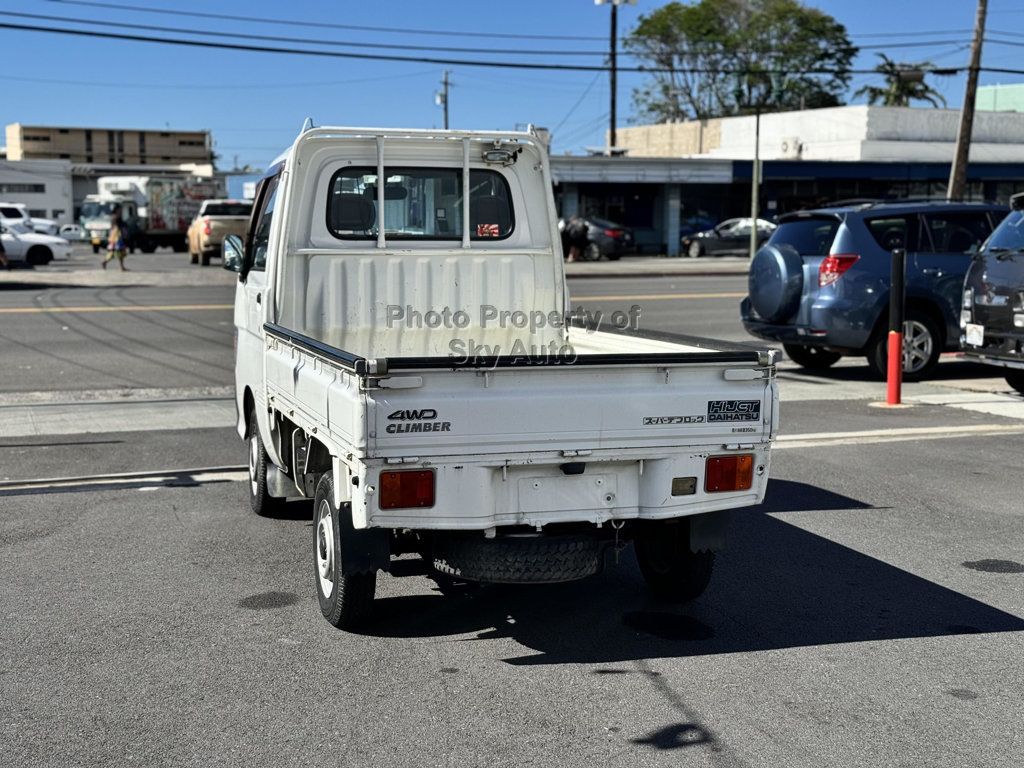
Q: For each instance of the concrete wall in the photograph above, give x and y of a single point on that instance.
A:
(17, 176)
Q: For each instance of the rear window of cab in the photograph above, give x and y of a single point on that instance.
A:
(419, 204)
(810, 236)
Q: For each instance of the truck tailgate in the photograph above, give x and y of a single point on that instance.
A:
(570, 409)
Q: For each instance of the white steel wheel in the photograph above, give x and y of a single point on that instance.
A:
(918, 346)
(345, 599)
(325, 548)
(694, 250)
(254, 462)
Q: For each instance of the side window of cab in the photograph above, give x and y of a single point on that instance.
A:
(259, 227)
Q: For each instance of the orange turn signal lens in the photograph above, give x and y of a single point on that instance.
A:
(407, 489)
(729, 473)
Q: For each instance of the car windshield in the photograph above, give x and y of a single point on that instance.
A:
(92, 210)
(227, 209)
(1009, 235)
(808, 237)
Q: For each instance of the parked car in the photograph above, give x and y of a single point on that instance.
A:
(497, 452)
(731, 237)
(72, 233)
(216, 220)
(992, 312)
(604, 238)
(820, 285)
(22, 244)
(17, 213)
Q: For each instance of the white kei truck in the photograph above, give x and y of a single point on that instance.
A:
(406, 359)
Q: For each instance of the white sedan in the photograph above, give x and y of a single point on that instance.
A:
(22, 244)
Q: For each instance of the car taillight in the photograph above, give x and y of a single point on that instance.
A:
(833, 266)
(407, 489)
(729, 473)
(615, 233)
(206, 227)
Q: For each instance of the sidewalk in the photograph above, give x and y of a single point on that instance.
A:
(658, 266)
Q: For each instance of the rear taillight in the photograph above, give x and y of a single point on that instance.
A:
(729, 473)
(407, 489)
(614, 233)
(206, 227)
(833, 266)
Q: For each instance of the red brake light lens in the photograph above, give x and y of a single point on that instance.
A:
(407, 489)
(615, 233)
(833, 266)
(729, 473)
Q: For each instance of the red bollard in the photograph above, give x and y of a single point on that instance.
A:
(897, 302)
(895, 373)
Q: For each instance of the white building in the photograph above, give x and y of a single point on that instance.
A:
(858, 133)
(42, 185)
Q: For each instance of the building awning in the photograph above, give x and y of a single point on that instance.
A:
(636, 170)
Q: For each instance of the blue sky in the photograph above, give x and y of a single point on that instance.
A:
(255, 102)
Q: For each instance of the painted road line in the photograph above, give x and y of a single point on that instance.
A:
(120, 308)
(864, 437)
(663, 296)
(88, 397)
(92, 418)
(175, 478)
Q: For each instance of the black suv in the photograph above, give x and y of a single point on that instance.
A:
(992, 313)
(820, 285)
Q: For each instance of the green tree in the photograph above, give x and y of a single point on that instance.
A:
(728, 57)
(904, 83)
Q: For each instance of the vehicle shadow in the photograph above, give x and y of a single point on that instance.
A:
(777, 586)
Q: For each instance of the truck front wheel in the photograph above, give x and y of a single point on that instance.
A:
(672, 571)
(345, 600)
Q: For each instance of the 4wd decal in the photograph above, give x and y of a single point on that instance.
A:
(421, 420)
(734, 410)
(658, 420)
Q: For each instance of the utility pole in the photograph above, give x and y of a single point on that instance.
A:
(441, 98)
(755, 182)
(958, 172)
(612, 65)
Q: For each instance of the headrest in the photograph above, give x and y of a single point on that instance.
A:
(489, 209)
(351, 212)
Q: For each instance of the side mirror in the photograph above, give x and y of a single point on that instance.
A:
(231, 251)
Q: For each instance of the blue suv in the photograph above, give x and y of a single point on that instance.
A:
(820, 285)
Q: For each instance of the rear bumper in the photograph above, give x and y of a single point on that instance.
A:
(828, 328)
(1005, 350)
(474, 496)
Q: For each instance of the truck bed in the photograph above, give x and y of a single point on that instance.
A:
(638, 410)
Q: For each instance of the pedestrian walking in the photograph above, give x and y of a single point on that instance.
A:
(117, 240)
(576, 232)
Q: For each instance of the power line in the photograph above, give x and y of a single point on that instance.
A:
(397, 46)
(220, 87)
(578, 102)
(323, 25)
(300, 40)
(425, 59)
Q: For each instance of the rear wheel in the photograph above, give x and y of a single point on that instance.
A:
(193, 257)
(1016, 380)
(345, 600)
(205, 258)
(814, 358)
(671, 570)
(592, 252)
(922, 345)
(262, 503)
(95, 249)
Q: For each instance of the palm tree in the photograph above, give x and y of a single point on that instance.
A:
(904, 83)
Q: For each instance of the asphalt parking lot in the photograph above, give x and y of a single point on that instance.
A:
(871, 612)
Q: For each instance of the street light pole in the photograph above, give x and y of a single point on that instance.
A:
(958, 171)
